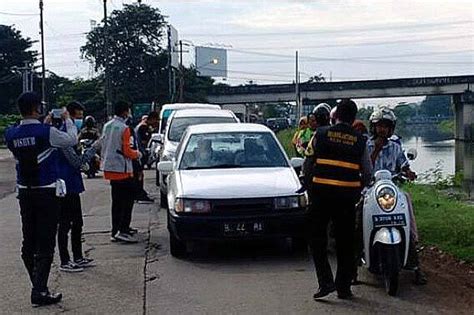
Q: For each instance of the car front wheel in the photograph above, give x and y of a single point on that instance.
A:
(177, 247)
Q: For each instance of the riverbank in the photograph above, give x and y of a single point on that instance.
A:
(443, 221)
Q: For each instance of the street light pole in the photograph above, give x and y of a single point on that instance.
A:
(297, 89)
(107, 97)
(43, 66)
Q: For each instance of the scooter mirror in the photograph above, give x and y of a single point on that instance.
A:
(412, 154)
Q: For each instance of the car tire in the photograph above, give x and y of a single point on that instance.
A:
(177, 247)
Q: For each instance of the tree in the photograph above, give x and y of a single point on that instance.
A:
(195, 87)
(436, 105)
(136, 59)
(15, 50)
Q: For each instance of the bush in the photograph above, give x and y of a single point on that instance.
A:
(5, 121)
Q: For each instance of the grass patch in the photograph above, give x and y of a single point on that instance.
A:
(443, 221)
(285, 137)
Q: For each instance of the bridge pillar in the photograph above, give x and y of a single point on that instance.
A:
(464, 115)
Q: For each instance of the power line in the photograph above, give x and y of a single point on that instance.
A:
(354, 59)
(375, 43)
(18, 14)
(362, 57)
(370, 28)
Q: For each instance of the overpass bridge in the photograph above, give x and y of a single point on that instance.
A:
(460, 87)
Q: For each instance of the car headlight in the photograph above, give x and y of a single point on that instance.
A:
(386, 198)
(292, 202)
(192, 206)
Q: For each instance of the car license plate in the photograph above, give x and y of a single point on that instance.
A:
(389, 220)
(242, 228)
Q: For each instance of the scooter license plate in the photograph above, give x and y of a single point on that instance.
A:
(381, 220)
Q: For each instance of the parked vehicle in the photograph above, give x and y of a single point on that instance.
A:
(94, 164)
(386, 229)
(277, 124)
(230, 182)
(167, 109)
(165, 113)
(177, 124)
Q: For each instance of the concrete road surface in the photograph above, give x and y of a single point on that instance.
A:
(262, 278)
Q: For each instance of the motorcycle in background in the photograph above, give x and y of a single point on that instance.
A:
(94, 163)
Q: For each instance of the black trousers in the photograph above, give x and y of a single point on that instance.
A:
(138, 176)
(337, 205)
(123, 195)
(39, 209)
(70, 219)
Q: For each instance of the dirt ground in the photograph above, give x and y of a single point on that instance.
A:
(454, 278)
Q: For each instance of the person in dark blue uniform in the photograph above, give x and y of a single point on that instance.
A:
(33, 145)
(70, 218)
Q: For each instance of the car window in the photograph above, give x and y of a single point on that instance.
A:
(179, 125)
(164, 119)
(232, 150)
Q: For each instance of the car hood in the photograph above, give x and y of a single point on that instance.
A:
(238, 183)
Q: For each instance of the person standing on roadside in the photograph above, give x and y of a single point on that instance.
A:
(143, 133)
(302, 124)
(339, 159)
(70, 218)
(117, 156)
(33, 145)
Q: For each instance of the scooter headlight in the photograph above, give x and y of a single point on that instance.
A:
(386, 198)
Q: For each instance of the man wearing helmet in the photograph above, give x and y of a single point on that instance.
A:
(386, 154)
(89, 131)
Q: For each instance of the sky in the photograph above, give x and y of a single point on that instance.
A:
(341, 39)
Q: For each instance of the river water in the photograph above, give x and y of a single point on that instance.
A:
(432, 155)
(442, 158)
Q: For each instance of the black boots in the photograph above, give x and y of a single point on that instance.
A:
(45, 298)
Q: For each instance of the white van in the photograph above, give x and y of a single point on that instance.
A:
(167, 109)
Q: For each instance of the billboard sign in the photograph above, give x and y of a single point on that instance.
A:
(173, 46)
(211, 62)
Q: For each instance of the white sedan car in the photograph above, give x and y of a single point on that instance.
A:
(232, 181)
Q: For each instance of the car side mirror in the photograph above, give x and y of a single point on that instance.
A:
(296, 162)
(166, 167)
(412, 154)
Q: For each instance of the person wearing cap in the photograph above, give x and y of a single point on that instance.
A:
(33, 145)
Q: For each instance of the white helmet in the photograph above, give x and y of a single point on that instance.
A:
(332, 115)
(383, 113)
(322, 106)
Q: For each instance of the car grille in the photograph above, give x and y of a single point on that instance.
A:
(242, 206)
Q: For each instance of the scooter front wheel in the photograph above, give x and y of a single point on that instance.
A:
(391, 283)
(390, 265)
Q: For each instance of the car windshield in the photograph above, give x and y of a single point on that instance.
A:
(179, 125)
(232, 150)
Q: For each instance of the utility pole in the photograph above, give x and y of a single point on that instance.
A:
(27, 77)
(107, 98)
(297, 89)
(170, 68)
(181, 73)
(43, 66)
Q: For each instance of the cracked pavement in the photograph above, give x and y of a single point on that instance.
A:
(142, 278)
